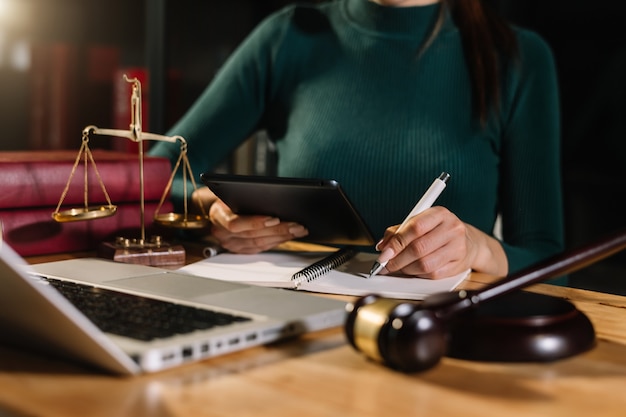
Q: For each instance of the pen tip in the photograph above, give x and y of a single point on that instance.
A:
(375, 269)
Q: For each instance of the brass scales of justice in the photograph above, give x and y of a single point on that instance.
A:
(155, 251)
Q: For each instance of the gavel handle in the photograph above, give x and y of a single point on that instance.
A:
(558, 265)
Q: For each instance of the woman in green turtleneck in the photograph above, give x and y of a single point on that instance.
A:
(382, 96)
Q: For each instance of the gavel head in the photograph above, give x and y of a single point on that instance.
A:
(405, 336)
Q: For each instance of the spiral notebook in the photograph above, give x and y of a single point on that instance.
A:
(343, 272)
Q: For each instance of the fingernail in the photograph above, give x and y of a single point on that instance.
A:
(298, 231)
(378, 244)
(272, 221)
(386, 255)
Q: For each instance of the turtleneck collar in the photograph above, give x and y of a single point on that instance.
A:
(414, 21)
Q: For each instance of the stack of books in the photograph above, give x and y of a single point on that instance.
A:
(32, 184)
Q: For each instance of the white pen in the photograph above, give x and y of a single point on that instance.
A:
(425, 202)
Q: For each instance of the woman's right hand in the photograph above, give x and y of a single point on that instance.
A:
(250, 234)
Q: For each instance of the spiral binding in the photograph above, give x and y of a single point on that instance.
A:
(324, 266)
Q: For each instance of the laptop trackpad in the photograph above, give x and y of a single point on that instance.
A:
(175, 285)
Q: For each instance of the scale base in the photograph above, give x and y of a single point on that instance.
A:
(153, 253)
(521, 327)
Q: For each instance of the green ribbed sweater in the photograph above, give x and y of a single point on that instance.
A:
(341, 89)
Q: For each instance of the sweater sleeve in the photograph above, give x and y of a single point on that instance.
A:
(530, 188)
(229, 110)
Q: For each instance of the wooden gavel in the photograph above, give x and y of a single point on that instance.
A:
(414, 336)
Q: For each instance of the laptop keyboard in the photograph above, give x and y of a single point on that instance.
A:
(139, 317)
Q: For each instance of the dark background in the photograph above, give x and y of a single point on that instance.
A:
(60, 62)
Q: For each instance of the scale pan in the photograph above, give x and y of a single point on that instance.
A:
(84, 213)
(181, 221)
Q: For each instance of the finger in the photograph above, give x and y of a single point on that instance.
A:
(256, 245)
(222, 215)
(443, 254)
(202, 198)
(254, 241)
(389, 232)
(427, 242)
(250, 244)
(448, 269)
(412, 234)
(292, 230)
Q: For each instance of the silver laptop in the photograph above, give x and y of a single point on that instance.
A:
(188, 318)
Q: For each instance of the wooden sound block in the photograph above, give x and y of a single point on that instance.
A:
(520, 327)
(162, 255)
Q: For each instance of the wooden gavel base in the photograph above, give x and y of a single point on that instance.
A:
(521, 327)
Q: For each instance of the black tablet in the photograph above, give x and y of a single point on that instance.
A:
(319, 205)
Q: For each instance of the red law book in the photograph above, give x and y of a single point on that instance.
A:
(38, 178)
(54, 94)
(33, 231)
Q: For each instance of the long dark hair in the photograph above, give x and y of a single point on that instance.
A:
(489, 46)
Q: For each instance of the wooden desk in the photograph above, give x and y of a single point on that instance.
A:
(320, 375)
